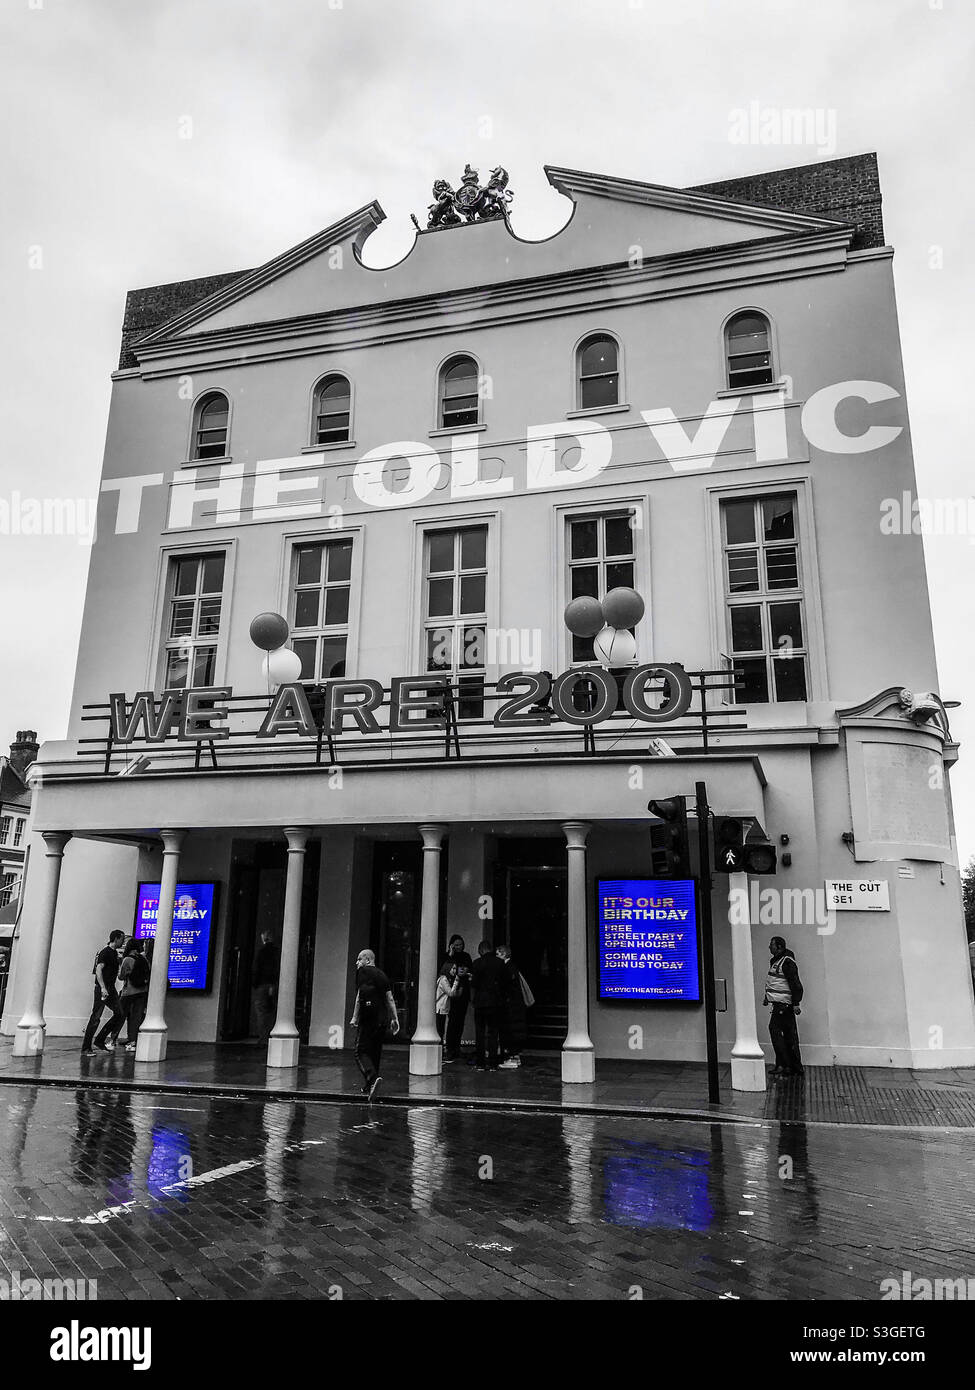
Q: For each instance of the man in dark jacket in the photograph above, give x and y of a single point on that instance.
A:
(489, 978)
(105, 971)
(783, 990)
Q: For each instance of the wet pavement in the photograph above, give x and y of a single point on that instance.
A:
(206, 1197)
(836, 1095)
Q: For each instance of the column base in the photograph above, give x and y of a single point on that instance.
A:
(748, 1074)
(426, 1059)
(578, 1066)
(151, 1046)
(29, 1040)
(283, 1052)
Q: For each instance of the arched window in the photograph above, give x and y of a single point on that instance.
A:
(598, 372)
(749, 351)
(211, 427)
(459, 400)
(333, 410)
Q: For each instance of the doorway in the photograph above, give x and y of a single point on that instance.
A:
(397, 890)
(531, 878)
(257, 883)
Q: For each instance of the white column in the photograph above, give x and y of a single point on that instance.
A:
(426, 1054)
(29, 1039)
(151, 1043)
(747, 1057)
(578, 1054)
(284, 1043)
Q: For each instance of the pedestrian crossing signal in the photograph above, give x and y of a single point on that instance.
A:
(670, 854)
(735, 854)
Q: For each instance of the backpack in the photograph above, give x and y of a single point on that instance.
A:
(140, 971)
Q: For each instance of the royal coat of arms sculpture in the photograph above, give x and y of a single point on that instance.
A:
(471, 202)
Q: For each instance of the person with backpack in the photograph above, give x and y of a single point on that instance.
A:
(375, 1009)
(134, 974)
(105, 971)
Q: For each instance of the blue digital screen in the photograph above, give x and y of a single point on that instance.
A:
(648, 939)
(189, 952)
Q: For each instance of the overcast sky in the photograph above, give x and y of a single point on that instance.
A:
(156, 140)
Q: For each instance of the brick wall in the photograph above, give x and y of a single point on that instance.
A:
(148, 308)
(847, 190)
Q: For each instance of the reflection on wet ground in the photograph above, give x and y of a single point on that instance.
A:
(195, 1197)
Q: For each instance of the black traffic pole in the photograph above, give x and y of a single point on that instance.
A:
(707, 941)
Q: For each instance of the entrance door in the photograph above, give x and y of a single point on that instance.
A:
(397, 891)
(257, 881)
(533, 877)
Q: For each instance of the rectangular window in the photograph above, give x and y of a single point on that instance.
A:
(766, 629)
(193, 608)
(18, 831)
(601, 556)
(5, 823)
(9, 885)
(455, 612)
(321, 583)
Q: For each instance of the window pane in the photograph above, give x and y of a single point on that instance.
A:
(333, 657)
(306, 607)
(473, 548)
(473, 593)
(790, 678)
(470, 697)
(742, 571)
(209, 617)
(204, 661)
(778, 518)
(746, 628)
(186, 574)
(453, 419)
(336, 606)
(597, 357)
(441, 551)
(739, 520)
(750, 376)
(182, 619)
(335, 394)
(440, 647)
(309, 564)
(585, 581)
(304, 649)
(619, 574)
(339, 561)
(753, 686)
(472, 653)
(461, 378)
(619, 536)
(332, 429)
(214, 412)
(782, 568)
(176, 668)
(599, 390)
(582, 649)
(747, 332)
(440, 598)
(212, 574)
(584, 539)
(785, 620)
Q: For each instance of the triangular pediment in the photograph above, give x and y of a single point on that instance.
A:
(612, 222)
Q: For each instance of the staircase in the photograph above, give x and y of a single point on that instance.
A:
(547, 1026)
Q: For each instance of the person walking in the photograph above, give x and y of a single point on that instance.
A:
(133, 972)
(264, 984)
(105, 971)
(448, 987)
(375, 1009)
(514, 1012)
(457, 1016)
(783, 991)
(489, 979)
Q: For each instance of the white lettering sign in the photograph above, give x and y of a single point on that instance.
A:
(857, 895)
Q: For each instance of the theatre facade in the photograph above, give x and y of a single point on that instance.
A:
(694, 393)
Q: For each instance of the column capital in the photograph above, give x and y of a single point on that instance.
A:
(56, 840)
(172, 840)
(576, 832)
(432, 835)
(297, 836)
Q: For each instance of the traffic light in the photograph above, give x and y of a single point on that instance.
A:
(734, 853)
(670, 855)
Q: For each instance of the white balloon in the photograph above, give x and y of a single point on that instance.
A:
(614, 646)
(281, 666)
